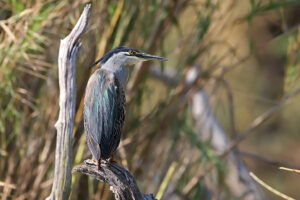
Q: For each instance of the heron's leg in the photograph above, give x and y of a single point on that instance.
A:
(98, 164)
(112, 159)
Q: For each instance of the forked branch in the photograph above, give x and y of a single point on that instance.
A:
(68, 50)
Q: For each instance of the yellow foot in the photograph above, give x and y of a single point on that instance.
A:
(112, 159)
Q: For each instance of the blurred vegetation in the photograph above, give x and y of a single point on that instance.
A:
(247, 49)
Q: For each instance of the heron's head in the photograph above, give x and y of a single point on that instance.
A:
(125, 56)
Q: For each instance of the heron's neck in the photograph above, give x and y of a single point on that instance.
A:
(120, 71)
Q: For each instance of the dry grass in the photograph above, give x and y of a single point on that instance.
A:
(160, 144)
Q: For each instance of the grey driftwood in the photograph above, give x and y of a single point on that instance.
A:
(68, 50)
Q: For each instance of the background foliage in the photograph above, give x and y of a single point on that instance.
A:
(247, 50)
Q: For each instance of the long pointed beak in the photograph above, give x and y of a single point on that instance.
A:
(145, 56)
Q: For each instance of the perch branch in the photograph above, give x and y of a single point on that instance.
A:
(122, 183)
(68, 50)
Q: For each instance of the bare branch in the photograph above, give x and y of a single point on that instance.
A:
(167, 75)
(159, 27)
(258, 121)
(68, 50)
(290, 170)
(123, 184)
(237, 178)
(275, 163)
(262, 183)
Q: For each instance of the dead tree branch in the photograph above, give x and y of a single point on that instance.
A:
(123, 184)
(207, 125)
(237, 177)
(68, 50)
(209, 128)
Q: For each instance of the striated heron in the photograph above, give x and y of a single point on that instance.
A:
(104, 102)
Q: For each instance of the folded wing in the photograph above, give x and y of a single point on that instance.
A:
(104, 111)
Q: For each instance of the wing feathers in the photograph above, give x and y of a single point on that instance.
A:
(104, 109)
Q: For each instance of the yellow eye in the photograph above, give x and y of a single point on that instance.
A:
(131, 52)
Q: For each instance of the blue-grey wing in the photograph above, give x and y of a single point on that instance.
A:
(104, 112)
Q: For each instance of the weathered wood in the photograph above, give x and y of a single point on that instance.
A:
(68, 50)
(122, 183)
